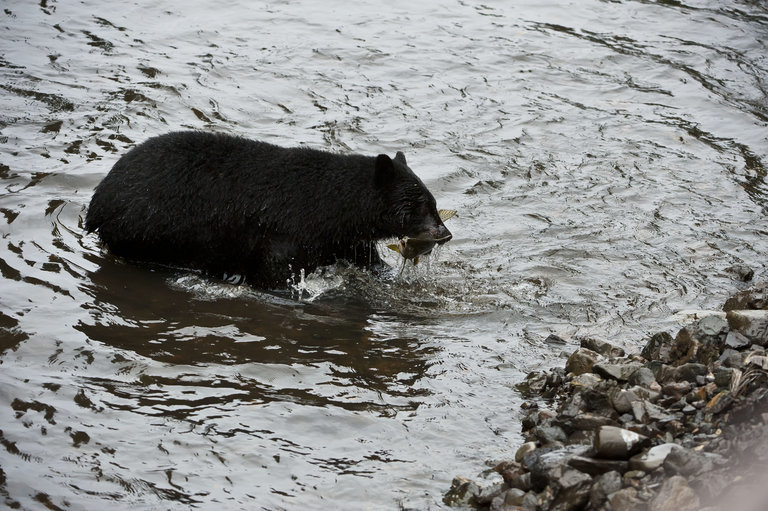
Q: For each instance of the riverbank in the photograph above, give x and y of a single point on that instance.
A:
(682, 425)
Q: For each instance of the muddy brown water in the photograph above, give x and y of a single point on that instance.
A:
(607, 160)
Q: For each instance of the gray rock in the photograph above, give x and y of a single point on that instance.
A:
(604, 348)
(524, 450)
(581, 361)
(584, 437)
(687, 462)
(711, 326)
(701, 342)
(531, 420)
(487, 494)
(521, 481)
(723, 376)
(653, 458)
(646, 412)
(530, 501)
(752, 324)
(735, 340)
(690, 371)
(463, 492)
(547, 465)
(675, 495)
(510, 498)
(676, 389)
(590, 421)
(571, 490)
(732, 358)
(603, 486)
(586, 380)
(534, 383)
(617, 443)
(550, 434)
(622, 400)
(642, 377)
(633, 474)
(618, 372)
(597, 399)
(665, 374)
(658, 347)
(595, 466)
(573, 406)
(624, 499)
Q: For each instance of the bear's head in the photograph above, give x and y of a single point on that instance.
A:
(410, 209)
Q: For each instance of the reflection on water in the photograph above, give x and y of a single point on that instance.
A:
(608, 167)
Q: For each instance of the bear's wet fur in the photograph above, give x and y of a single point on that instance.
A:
(228, 205)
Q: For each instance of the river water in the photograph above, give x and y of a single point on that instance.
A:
(606, 158)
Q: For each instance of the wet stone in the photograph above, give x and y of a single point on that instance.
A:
(653, 458)
(690, 371)
(524, 450)
(596, 466)
(676, 389)
(572, 491)
(701, 341)
(687, 462)
(752, 324)
(531, 420)
(530, 501)
(624, 499)
(618, 372)
(675, 495)
(581, 361)
(602, 347)
(646, 412)
(736, 340)
(622, 400)
(550, 434)
(617, 443)
(574, 406)
(603, 486)
(591, 421)
(723, 376)
(510, 498)
(586, 380)
(547, 465)
(522, 482)
(487, 494)
(658, 347)
(732, 358)
(598, 399)
(463, 492)
(586, 437)
(643, 377)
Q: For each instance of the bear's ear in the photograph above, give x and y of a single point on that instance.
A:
(400, 157)
(385, 171)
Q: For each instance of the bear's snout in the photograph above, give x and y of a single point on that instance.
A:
(443, 234)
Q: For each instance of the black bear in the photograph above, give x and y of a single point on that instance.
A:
(228, 205)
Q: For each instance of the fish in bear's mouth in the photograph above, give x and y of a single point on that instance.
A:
(413, 248)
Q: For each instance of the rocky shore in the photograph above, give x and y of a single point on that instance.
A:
(682, 425)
